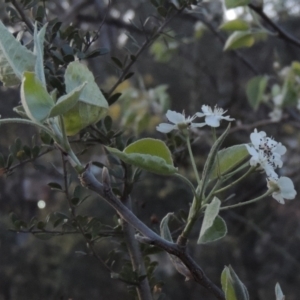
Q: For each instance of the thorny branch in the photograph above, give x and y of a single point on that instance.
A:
(148, 236)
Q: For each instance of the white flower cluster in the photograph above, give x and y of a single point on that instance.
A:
(266, 153)
(180, 122)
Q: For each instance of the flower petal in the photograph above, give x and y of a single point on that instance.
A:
(212, 121)
(175, 117)
(165, 127)
(287, 189)
(198, 124)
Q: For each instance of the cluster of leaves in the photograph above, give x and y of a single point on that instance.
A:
(261, 89)
(21, 153)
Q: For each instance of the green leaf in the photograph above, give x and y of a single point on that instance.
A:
(148, 154)
(228, 159)
(96, 52)
(235, 25)
(35, 99)
(20, 111)
(66, 102)
(236, 3)
(14, 58)
(91, 106)
(39, 52)
(296, 69)
(239, 288)
(166, 234)
(55, 186)
(117, 62)
(255, 90)
(239, 39)
(212, 157)
(213, 226)
(227, 285)
(164, 228)
(278, 292)
(151, 146)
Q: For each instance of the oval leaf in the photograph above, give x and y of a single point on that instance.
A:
(151, 146)
(14, 58)
(255, 90)
(227, 285)
(278, 292)
(66, 102)
(35, 98)
(234, 25)
(81, 116)
(239, 288)
(232, 286)
(239, 39)
(164, 228)
(39, 52)
(236, 3)
(92, 105)
(213, 226)
(148, 154)
(228, 159)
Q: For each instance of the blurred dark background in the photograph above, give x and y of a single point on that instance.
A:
(263, 239)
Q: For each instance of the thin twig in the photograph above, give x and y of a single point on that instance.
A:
(22, 15)
(23, 162)
(248, 127)
(104, 191)
(138, 265)
(222, 39)
(73, 214)
(106, 233)
(99, 28)
(280, 31)
(144, 46)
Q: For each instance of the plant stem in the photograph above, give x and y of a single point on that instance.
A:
(235, 182)
(27, 122)
(144, 46)
(142, 287)
(269, 192)
(192, 159)
(187, 182)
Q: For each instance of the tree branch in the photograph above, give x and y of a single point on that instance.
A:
(22, 15)
(143, 288)
(280, 31)
(105, 192)
(222, 39)
(144, 46)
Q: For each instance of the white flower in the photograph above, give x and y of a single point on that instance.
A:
(278, 100)
(265, 152)
(276, 114)
(179, 122)
(258, 157)
(284, 189)
(213, 117)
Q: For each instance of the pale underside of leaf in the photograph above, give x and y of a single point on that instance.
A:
(151, 146)
(14, 58)
(39, 52)
(81, 116)
(35, 99)
(76, 74)
(147, 162)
